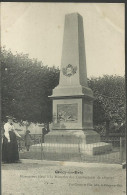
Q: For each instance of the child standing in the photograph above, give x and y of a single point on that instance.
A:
(27, 138)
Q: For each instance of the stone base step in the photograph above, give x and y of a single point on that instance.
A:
(56, 148)
(82, 149)
(96, 148)
(72, 137)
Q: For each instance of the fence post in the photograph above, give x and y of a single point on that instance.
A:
(121, 150)
(41, 147)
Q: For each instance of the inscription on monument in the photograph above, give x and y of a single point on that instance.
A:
(67, 113)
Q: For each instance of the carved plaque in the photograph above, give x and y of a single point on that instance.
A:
(67, 113)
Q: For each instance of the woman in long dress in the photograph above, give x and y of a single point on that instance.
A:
(10, 152)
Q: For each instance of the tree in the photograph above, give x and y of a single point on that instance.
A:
(109, 91)
(26, 84)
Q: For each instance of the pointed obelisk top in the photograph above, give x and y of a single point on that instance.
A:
(73, 73)
(73, 51)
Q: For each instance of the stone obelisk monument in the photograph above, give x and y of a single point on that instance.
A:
(72, 98)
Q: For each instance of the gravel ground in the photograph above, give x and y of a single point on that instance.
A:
(34, 177)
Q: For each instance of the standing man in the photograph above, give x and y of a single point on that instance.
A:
(44, 132)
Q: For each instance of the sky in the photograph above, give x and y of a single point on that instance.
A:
(37, 29)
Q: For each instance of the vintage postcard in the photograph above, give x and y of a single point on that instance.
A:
(63, 98)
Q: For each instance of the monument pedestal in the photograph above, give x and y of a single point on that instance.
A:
(72, 137)
(66, 144)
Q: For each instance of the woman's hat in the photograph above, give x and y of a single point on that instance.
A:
(10, 117)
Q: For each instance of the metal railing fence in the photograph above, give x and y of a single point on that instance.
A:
(108, 150)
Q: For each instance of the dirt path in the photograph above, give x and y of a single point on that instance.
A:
(32, 177)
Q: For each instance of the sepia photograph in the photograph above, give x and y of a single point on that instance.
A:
(63, 99)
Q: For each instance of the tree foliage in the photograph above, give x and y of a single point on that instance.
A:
(26, 83)
(109, 93)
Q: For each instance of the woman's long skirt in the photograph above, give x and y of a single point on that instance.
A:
(10, 152)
